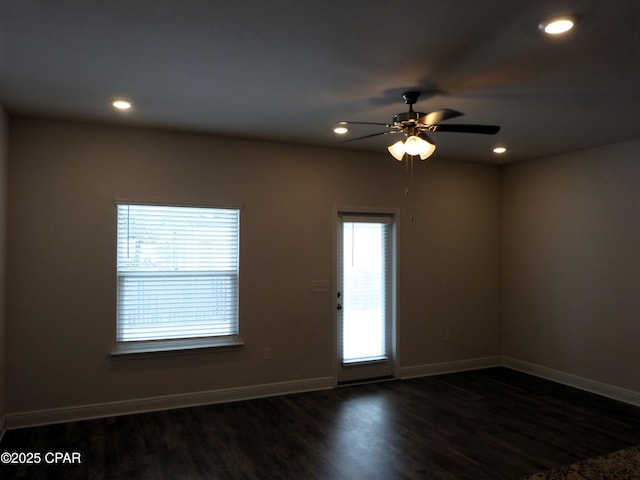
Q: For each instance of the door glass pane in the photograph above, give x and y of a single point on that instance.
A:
(364, 291)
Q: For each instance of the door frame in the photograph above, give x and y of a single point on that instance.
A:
(395, 290)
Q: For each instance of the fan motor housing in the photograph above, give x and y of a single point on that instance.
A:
(407, 117)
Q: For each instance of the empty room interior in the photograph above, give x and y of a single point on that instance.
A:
(499, 259)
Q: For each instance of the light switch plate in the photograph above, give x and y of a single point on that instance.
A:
(319, 286)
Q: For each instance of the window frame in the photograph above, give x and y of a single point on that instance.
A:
(177, 345)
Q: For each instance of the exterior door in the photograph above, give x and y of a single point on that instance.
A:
(365, 303)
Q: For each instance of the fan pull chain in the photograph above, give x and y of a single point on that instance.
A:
(409, 188)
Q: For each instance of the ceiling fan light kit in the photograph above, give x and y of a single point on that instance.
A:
(414, 146)
(414, 126)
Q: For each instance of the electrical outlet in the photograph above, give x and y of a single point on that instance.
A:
(267, 353)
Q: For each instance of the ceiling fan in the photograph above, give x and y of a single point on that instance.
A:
(415, 126)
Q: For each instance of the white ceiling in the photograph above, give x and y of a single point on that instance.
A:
(287, 70)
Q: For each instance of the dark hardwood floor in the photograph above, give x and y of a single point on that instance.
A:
(486, 424)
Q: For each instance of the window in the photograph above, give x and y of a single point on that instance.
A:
(177, 273)
(365, 288)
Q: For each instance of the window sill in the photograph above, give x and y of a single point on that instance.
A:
(176, 347)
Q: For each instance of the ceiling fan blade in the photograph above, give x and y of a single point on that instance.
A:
(438, 116)
(363, 123)
(372, 135)
(484, 129)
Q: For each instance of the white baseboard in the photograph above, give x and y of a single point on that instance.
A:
(450, 367)
(165, 402)
(109, 409)
(606, 390)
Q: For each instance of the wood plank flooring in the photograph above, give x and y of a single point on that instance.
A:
(486, 424)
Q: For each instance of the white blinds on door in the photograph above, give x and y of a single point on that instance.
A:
(366, 251)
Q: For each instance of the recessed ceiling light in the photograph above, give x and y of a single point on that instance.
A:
(121, 105)
(341, 130)
(499, 150)
(558, 25)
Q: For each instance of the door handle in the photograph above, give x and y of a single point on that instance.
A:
(339, 307)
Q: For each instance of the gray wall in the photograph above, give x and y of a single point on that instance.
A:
(571, 263)
(3, 205)
(554, 242)
(65, 176)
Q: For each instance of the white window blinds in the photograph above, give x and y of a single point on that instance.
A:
(177, 272)
(366, 287)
